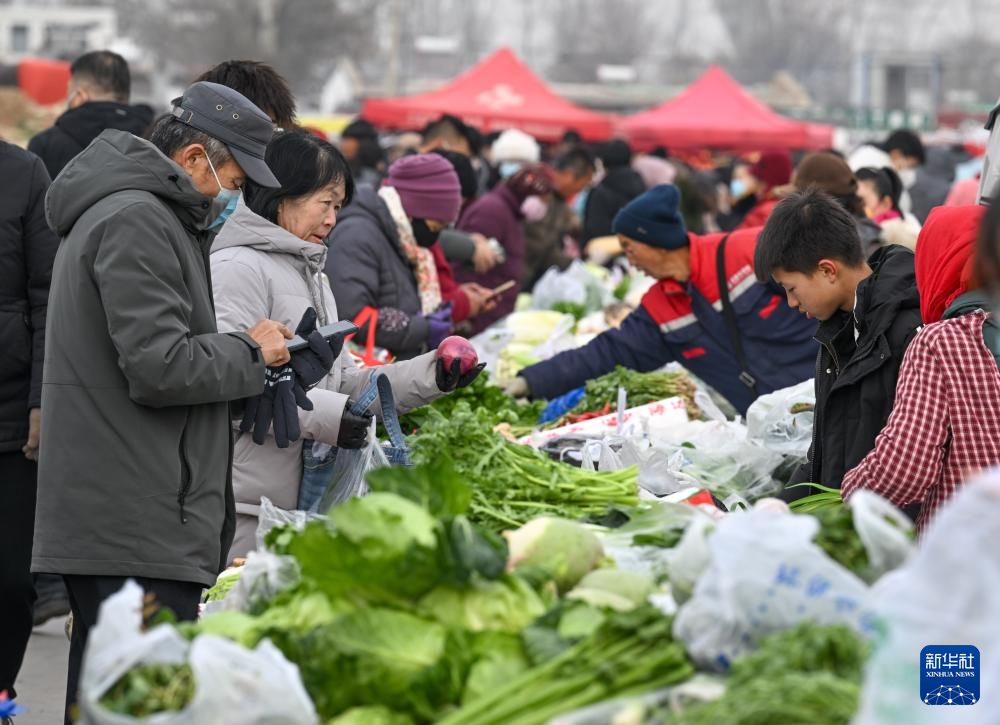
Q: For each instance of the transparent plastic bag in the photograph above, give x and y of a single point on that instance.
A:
(948, 593)
(347, 480)
(351, 467)
(772, 423)
(765, 575)
(270, 516)
(264, 575)
(229, 679)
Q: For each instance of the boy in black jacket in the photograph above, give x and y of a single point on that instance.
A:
(869, 312)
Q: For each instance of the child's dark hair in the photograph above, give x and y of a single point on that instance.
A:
(887, 183)
(303, 164)
(804, 228)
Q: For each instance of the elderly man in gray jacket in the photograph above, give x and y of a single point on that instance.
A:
(136, 451)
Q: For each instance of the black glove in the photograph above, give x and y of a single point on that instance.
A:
(452, 379)
(276, 406)
(313, 363)
(354, 429)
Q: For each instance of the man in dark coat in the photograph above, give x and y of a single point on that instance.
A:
(620, 185)
(27, 249)
(99, 89)
(134, 476)
(869, 313)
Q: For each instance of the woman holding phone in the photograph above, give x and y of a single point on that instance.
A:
(500, 214)
(267, 263)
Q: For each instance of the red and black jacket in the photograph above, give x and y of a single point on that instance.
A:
(684, 322)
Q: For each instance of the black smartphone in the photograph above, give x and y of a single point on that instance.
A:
(343, 328)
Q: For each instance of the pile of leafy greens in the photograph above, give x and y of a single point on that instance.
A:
(495, 406)
(512, 483)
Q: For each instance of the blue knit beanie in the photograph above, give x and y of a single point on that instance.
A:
(653, 218)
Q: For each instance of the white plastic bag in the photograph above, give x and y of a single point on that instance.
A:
(948, 593)
(115, 645)
(765, 575)
(257, 686)
(576, 285)
(885, 531)
(772, 424)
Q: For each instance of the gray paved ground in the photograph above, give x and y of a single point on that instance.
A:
(41, 686)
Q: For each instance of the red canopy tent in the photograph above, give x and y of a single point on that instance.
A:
(43, 81)
(497, 93)
(717, 112)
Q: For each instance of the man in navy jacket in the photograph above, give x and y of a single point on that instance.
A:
(682, 319)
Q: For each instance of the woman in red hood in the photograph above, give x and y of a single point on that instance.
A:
(945, 424)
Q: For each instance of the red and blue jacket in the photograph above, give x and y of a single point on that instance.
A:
(684, 322)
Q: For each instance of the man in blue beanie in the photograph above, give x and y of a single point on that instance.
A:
(745, 343)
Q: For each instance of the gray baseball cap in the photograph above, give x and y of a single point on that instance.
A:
(229, 117)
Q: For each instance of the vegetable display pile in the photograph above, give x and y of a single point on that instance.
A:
(601, 394)
(513, 484)
(809, 674)
(407, 612)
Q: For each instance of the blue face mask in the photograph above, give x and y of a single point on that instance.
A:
(223, 204)
(737, 188)
(508, 168)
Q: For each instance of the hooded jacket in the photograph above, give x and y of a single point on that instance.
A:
(135, 454)
(261, 271)
(76, 128)
(945, 251)
(856, 380)
(367, 268)
(619, 186)
(27, 249)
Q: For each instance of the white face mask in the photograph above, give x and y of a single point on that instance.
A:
(907, 176)
(223, 204)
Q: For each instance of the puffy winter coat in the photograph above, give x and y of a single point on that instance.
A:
(135, 454)
(27, 250)
(856, 380)
(367, 268)
(261, 271)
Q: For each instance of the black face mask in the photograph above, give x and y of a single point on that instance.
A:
(423, 234)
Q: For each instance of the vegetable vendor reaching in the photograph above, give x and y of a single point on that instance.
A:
(869, 311)
(268, 262)
(754, 345)
(945, 425)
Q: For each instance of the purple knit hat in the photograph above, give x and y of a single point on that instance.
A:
(428, 187)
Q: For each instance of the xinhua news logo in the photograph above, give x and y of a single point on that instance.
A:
(949, 675)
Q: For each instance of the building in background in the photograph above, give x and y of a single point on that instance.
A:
(51, 31)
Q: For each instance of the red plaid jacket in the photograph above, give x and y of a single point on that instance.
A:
(946, 421)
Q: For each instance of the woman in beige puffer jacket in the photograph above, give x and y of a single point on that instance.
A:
(274, 270)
